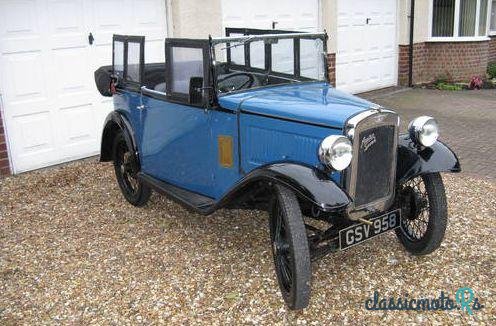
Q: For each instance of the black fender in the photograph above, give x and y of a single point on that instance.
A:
(414, 161)
(308, 182)
(115, 122)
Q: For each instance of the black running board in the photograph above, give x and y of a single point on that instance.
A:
(199, 203)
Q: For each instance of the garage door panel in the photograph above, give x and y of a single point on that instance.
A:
(149, 17)
(387, 74)
(261, 14)
(53, 111)
(78, 134)
(373, 69)
(366, 45)
(109, 17)
(23, 77)
(34, 138)
(19, 31)
(65, 16)
(102, 55)
(22, 18)
(153, 51)
(70, 71)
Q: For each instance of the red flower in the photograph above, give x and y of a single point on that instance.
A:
(476, 83)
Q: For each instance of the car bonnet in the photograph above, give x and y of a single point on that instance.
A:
(314, 103)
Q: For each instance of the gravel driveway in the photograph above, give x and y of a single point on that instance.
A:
(73, 251)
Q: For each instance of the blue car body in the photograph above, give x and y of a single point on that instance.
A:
(272, 133)
(276, 124)
(248, 131)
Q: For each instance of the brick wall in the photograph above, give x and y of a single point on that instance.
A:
(4, 160)
(458, 61)
(331, 68)
(492, 49)
(419, 55)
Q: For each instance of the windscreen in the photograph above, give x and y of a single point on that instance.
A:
(252, 62)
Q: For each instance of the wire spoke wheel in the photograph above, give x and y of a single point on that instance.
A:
(423, 206)
(290, 248)
(416, 209)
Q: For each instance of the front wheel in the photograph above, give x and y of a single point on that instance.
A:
(424, 214)
(290, 248)
(126, 169)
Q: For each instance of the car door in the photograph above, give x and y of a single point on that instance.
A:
(175, 136)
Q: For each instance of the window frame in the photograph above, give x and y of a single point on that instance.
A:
(125, 39)
(456, 25)
(187, 43)
(492, 32)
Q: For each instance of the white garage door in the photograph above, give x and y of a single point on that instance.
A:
(367, 55)
(52, 110)
(285, 14)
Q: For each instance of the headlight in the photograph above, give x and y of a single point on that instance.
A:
(336, 152)
(424, 130)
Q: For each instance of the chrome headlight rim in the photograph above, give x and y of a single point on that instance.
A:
(336, 151)
(424, 130)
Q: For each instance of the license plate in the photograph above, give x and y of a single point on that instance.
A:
(358, 233)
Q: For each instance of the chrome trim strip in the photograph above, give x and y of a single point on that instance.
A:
(352, 123)
(145, 90)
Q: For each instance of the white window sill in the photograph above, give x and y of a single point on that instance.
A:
(492, 33)
(459, 39)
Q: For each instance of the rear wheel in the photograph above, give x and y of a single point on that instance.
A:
(424, 214)
(290, 248)
(126, 169)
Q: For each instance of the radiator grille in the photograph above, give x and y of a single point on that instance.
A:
(370, 179)
(375, 159)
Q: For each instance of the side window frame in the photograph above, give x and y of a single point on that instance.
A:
(183, 98)
(125, 82)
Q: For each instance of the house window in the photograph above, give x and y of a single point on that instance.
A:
(483, 10)
(443, 18)
(460, 18)
(493, 16)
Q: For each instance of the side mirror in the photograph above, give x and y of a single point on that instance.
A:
(195, 90)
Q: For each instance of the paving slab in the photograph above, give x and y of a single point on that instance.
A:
(467, 121)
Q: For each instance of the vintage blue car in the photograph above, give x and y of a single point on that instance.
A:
(250, 121)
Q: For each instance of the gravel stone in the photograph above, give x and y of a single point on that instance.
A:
(73, 251)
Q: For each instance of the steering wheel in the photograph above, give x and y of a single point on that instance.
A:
(236, 81)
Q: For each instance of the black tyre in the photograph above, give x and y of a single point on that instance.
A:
(290, 248)
(424, 214)
(126, 169)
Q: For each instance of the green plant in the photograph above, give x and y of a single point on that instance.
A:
(491, 70)
(448, 87)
